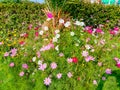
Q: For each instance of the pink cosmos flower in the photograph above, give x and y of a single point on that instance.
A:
(116, 59)
(1, 43)
(30, 26)
(88, 58)
(47, 47)
(38, 54)
(94, 82)
(12, 64)
(42, 66)
(99, 63)
(49, 15)
(6, 54)
(47, 81)
(116, 28)
(59, 75)
(69, 74)
(25, 66)
(108, 71)
(85, 54)
(21, 73)
(118, 64)
(53, 65)
(61, 54)
(103, 78)
(69, 60)
(98, 30)
(13, 52)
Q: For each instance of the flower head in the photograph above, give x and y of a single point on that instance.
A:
(69, 74)
(6, 54)
(49, 15)
(75, 60)
(59, 75)
(108, 71)
(47, 81)
(42, 66)
(21, 73)
(12, 64)
(25, 66)
(85, 53)
(53, 65)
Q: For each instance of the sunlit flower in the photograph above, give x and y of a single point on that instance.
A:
(69, 74)
(87, 46)
(85, 53)
(72, 33)
(11, 64)
(39, 62)
(41, 32)
(69, 60)
(53, 65)
(38, 54)
(34, 59)
(13, 52)
(61, 21)
(25, 66)
(47, 47)
(49, 15)
(108, 71)
(57, 31)
(94, 82)
(67, 24)
(6, 54)
(59, 75)
(21, 73)
(57, 35)
(57, 48)
(46, 28)
(78, 23)
(42, 66)
(55, 39)
(47, 81)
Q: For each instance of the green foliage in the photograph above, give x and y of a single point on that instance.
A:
(94, 14)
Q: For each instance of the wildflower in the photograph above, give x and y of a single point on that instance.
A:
(99, 63)
(13, 52)
(69, 74)
(98, 30)
(94, 82)
(6, 54)
(36, 34)
(57, 36)
(61, 54)
(118, 64)
(72, 33)
(116, 29)
(42, 66)
(85, 53)
(102, 42)
(34, 59)
(55, 39)
(116, 59)
(38, 54)
(47, 81)
(22, 43)
(59, 75)
(69, 60)
(90, 31)
(57, 48)
(1, 43)
(53, 65)
(21, 73)
(88, 58)
(87, 46)
(88, 39)
(12, 64)
(75, 60)
(57, 31)
(25, 66)
(47, 47)
(39, 62)
(49, 15)
(45, 28)
(41, 32)
(78, 23)
(61, 21)
(67, 24)
(108, 71)
(103, 78)
(30, 26)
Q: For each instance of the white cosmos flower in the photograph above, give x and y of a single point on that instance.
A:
(57, 48)
(34, 59)
(67, 24)
(39, 62)
(55, 39)
(61, 21)
(41, 32)
(57, 31)
(48, 19)
(87, 46)
(46, 28)
(78, 23)
(72, 33)
(57, 36)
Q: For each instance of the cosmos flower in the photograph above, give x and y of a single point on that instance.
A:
(53, 65)
(47, 81)
(59, 75)
(69, 74)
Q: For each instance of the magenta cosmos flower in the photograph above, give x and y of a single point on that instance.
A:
(47, 81)
(49, 15)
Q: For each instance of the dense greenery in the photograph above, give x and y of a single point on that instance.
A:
(94, 14)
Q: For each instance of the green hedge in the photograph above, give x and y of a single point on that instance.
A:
(94, 14)
(13, 15)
